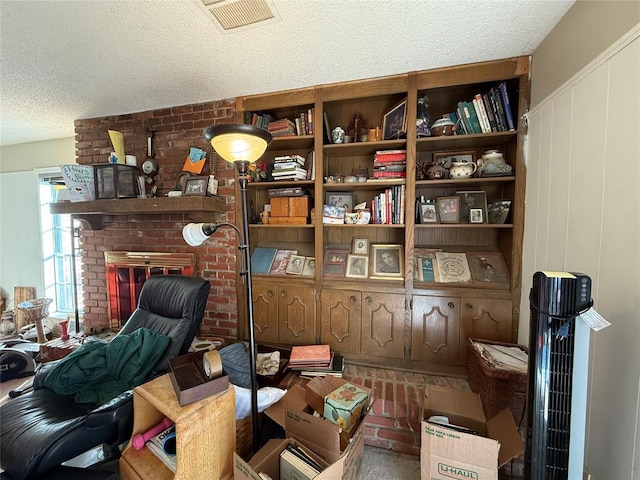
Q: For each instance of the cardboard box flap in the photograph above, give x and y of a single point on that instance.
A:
(316, 433)
(264, 460)
(503, 428)
(460, 406)
(293, 400)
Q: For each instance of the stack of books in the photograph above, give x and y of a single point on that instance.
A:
(390, 164)
(316, 361)
(282, 128)
(289, 167)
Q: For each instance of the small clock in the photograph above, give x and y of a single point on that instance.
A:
(150, 167)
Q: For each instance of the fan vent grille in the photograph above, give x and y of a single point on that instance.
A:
(235, 14)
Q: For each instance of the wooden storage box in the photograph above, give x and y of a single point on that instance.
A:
(288, 220)
(497, 388)
(190, 381)
(290, 207)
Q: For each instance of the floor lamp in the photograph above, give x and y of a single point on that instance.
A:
(239, 144)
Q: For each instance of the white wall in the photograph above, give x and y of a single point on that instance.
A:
(20, 252)
(583, 214)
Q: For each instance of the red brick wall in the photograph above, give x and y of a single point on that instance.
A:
(176, 130)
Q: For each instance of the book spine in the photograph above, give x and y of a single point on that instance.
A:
(467, 114)
(310, 120)
(482, 115)
(390, 157)
(463, 120)
(489, 111)
(303, 123)
(496, 105)
(507, 106)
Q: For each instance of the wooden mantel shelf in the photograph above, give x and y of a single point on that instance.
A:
(197, 208)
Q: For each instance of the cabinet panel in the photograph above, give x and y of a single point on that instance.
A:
(296, 314)
(265, 312)
(341, 320)
(383, 325)
(487, 319)
(435, 335)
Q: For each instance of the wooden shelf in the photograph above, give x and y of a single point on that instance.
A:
(198, 208)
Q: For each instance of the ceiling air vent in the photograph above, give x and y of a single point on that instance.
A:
(235, 15)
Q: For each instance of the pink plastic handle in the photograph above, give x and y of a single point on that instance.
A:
(140, 439)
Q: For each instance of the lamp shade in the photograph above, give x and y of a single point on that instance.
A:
(238, 142)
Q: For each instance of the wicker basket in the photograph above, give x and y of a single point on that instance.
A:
(497, 388)
(34, 311)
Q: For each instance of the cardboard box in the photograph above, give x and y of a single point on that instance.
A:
(344, 405)
(446, 453)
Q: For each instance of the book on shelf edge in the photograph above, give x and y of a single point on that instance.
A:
(262, 258)
(309, 353)
(294, 467)
(323, 365)
(453, 267)
(504, 95)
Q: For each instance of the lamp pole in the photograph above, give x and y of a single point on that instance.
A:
(242, 167)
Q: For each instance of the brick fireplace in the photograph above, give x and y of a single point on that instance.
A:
(175, 130)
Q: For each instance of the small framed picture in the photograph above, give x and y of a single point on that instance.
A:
(476, 215)
(357, 266)
(295, 265)
(339, 199)
(360, 246)
(428, 213)
(387, 261)
(447, 158)
(335, 262)
(448, 209)
(309, 268)
(488, 267)
(472, 200)
(498, 211)
(195, 186)
(394, 121)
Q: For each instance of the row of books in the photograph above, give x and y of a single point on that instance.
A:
(387, 208)
(281, 262)
(480, 268)
(486, 112)
(300, 125)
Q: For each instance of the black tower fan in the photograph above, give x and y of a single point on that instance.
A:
(558, 374)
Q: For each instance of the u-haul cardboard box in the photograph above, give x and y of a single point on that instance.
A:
(447, 453)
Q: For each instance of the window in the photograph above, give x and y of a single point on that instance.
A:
(59, 243)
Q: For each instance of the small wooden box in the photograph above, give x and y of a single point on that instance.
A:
(190, 381)
(290, 207)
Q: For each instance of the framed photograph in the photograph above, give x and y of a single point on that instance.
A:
(309, 268)
(448, 209)
(295, 265)
(360, 246)
(428, 213)
(195, 186)
(476, 199)
(357, 266)
(387, 261)
(488, 267)
(335, 262)
(447, 158)
(281, 260)
(394, 121)
(498, 211)
(476, 215)
(339, 199)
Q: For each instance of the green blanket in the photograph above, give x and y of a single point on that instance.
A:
(97, 372)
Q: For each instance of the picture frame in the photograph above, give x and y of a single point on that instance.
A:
(309, 268)
(428, 213)
(339, 199)
(357, 266)
(473, 199)
(448, 209)
(476, 215)
(360, 246)
(295, 265)
(195, 186)
(335, 262)
(488, 268)
(387, 261)
(394, 121)
(446, 158)
(498, 211)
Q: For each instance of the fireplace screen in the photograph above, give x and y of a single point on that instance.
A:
(127, 272)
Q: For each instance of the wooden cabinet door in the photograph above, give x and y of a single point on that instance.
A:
(341, 319)
(435, 329)
(383, 324)
(486, 319)
(265, 312)
(296, 314)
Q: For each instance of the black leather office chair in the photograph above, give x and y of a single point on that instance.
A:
(40, 430)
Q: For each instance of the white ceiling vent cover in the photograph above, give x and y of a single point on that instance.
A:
(235, 15)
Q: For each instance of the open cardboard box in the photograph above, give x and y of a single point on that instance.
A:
(446, 453)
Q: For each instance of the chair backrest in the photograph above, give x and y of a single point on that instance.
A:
(172, 305)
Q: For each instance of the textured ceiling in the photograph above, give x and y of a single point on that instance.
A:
(65, 60)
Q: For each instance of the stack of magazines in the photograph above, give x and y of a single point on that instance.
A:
(315, 360)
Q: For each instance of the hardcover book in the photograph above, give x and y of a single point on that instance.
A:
(281, 260)
(306, 354)
(488, 267)
(261, 259)
(426, 270)
(453, 267)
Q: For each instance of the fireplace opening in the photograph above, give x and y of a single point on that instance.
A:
(127, 272)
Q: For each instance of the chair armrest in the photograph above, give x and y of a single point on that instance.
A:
(113, 411)
(42, 372)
